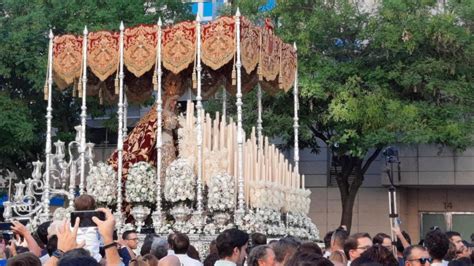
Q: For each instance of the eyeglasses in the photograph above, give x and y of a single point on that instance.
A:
(132, 239)
(364, 248)
(423, 260)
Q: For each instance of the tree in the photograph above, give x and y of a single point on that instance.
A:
(24, 27)
(16, 131)
(401, 75)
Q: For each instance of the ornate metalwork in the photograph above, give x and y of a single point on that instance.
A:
(199, 208)
(120, 133)
(82, 149)
(62, 181)
(296, 119)
(157, 215)
(240, 134)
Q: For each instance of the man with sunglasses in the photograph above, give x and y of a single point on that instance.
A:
(416, 256)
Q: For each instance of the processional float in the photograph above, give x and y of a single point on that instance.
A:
(200, 173)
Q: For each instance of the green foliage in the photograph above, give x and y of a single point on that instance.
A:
(24, 27)
(16, 131)
(403, 75)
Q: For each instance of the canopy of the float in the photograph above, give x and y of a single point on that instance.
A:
(264, 56)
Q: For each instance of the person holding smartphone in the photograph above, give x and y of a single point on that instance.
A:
(87, 232)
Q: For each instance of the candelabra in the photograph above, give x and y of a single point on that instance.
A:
(63, 175)
(24, 203)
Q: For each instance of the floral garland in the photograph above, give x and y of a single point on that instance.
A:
(266, 221)
(140, 183)
(221, 195)
(297, 200)
(102, 183)
(300, 225)
(267, 195)
(179, 183)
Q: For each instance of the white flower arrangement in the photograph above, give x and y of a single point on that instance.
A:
(165, 229)
(267, 195)
(300, 225)
(303, 200)
(297, 201)
(179, 183)
(221, 196)
(266, 221)
(102, 183)
(141, 183)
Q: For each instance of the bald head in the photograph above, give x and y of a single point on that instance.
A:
(170, 260)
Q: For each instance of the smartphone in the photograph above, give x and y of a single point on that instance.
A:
(7, 236)
(7, 226)
(86, 218)
(147, 230)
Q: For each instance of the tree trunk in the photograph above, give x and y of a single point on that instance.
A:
(349, 192)
(351, 166)
(347, 209)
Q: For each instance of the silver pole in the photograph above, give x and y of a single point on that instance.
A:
(49, 117)
(259, 119)
(240, 133)
(83, 111)
(199, 114)
(120, 132)
(125, 115)
(296, 119)
(159, 109)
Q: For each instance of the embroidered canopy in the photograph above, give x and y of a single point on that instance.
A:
(264, 56)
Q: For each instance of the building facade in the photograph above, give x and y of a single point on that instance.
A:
(435, 187)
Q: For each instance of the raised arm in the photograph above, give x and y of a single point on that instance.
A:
(21, 230)
(106, 230)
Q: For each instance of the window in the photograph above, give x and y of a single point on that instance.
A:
(462, 222)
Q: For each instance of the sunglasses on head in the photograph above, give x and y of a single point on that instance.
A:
(423, 260)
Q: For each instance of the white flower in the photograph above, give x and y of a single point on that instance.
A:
(140, 183)
(180, 181)
(221, 195)
(102, 183)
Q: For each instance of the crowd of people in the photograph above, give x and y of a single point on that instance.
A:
(59, 243)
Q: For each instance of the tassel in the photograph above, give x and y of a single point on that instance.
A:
(46, 91)
(101, 98)
(116, 85)
(79, 88)
(280, 78)
(155, 78)
(74, 88)
(260, 74)
(234, 76)
(194, 79)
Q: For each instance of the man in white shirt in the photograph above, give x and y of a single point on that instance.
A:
(232, 247)
(180, 247)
